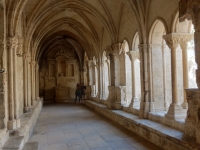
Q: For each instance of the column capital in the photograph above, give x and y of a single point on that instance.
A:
(113, 49)
(36, 66)
(133, 55)
(32, 63)
(12, 42)
(172, 40)
(26, 55)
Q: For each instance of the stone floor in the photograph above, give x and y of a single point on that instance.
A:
(75, 127)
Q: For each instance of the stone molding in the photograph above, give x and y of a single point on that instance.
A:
(133, 55)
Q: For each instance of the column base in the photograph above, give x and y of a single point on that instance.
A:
(135, 103)
(18, 123)
(175, 112)
(144, 109)
(184, 105)
(12, 124)
(26, 109)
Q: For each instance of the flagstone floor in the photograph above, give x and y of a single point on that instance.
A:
(67, 126)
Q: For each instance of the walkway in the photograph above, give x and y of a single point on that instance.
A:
(75, 127)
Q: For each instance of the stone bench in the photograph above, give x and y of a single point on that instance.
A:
(157, 133)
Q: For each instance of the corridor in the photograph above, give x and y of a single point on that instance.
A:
(74, 127)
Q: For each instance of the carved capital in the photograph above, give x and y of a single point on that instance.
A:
(12, 43)
(36, 67)
(172, 40)
(32, 63)
(26, 55)
(115, 49)
(133, 55)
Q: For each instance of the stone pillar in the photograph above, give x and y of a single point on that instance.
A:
(185, 38)
(175, 110)
(12, 44)
(25, 77)
(33, 98)
(113, 51)
(29, 80)
(135, 102)
(145, 81)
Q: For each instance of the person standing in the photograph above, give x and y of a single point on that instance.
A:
(78, 93)
(83, 92)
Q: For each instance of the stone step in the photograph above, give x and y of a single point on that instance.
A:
(31, 146)
(14, 143)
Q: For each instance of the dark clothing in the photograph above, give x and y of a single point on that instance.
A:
(78, 94)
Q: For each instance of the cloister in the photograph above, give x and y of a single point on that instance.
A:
(139, 61)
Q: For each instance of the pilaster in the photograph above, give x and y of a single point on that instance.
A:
(33, 98)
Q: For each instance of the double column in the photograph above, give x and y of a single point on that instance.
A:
(135, 102)
(175, 110)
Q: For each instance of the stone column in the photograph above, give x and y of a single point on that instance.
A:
(166, 105)
(145, 80)
(135, 102)
(185, 38)
(29, 79)
(175, 110)
(25, 76)
(12, 44)
(33, 98)
(113, 51)
(37, 81)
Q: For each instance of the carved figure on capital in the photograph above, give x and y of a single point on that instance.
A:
(143, 47)
(12, 43)
(26, 55)
(172, 40)
(32, 63)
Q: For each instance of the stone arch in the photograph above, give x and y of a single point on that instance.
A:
(160, 74)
